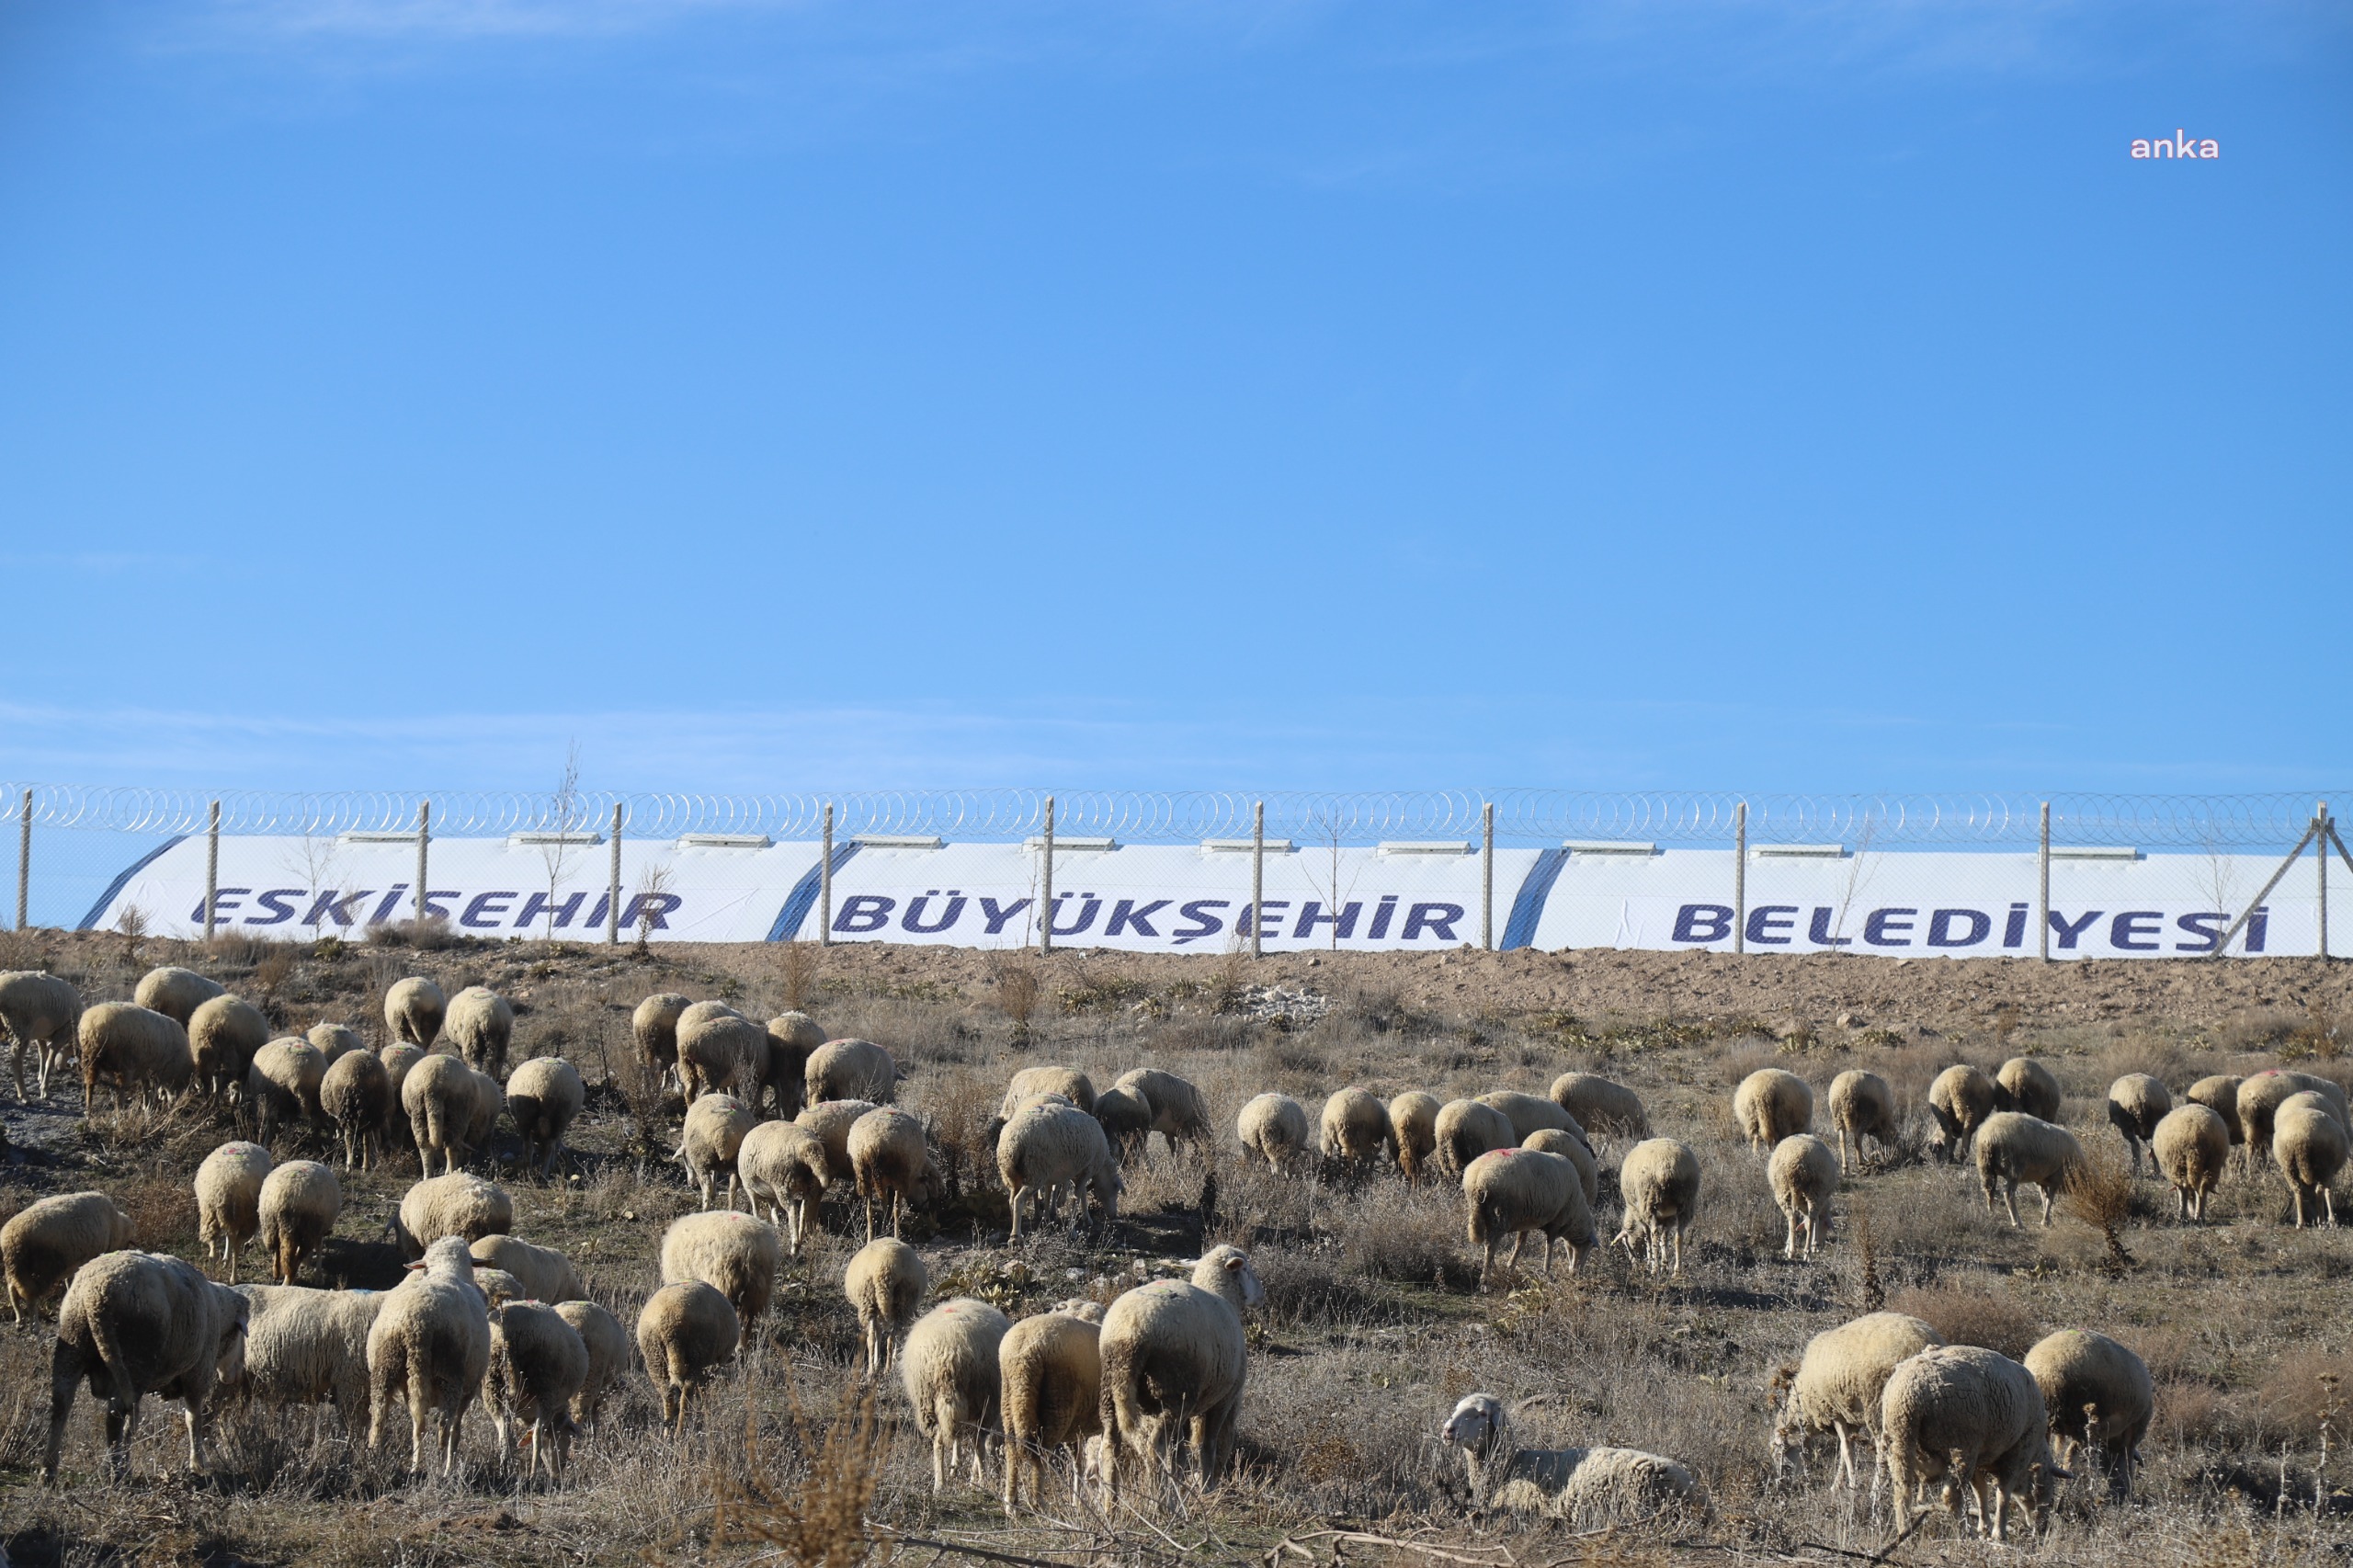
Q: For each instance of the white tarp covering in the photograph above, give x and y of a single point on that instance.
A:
(1164, 898)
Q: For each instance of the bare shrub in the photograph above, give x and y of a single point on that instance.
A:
(132, 925)
(1016, 991)
(817, 1518)
(800, 976)
(1993, 1319)
(2099, 1192)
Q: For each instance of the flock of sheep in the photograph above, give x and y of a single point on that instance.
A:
(1128, 1390)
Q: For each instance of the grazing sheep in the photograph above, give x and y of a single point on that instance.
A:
(335, 1042)
(2260, 1098)
(1804, 1174)
(1050, 1375)
(1030, 1082)
(1515, 1192)
(2220, 1094)
(1553, 1141)
(831, 1122)
(2309, 1146)
(1174, 1365)
(134, 1324)
(791, 1037)
(1048, 1147)
(2136, 1103)
(709, 1140)
(1466, 1130)
(307, 1347)
(1274, 1128)
(175, 993)
(1126, 1121)
(785, 1163)
(1960, 1401)
(1771, 1105)
(356, 1095)
(1352, 1129)
(734, 1254)
(228, 1201)
(1959, 1101)
(607, 1347)
(538, 1364)
(284, 1082)
(542, 1095)
(1863, 1106)
(2026, 1085)
(654, 1026)
(850, 1070)
(413, 1009)
(2099, 1396)
(133, 1049)
(46, 1241)
(1179, 1110)
(223, 1035)
(1602, 1105)
(458, 1205)
(1838, 1382)
(885, 1282)
(2191, 1147)
(399, 1062)
(949, 1369)
(1658, 1184)
(684, 1330)
(301, 1201)
(1585, 1487)
(429, 1347)
(1528, 1113)
(452, 1109)
(725, 1054)
(890, 1158)
(2013, 1147)
(481, 1023)
(543, 1273)
(1412, 1130)
(40, 1012)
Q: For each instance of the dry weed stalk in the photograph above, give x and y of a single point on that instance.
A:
(1874, 1294)
(819, 1521)
(800, 976)
(1017, 990)
(2099, 1193)
(132, 924)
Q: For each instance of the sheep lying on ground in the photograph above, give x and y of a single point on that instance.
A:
(1174, 1363)
(608, 1345)
(481, 1023)
(734, 1254)
(949, 1369)
(300, 1200)
(2136, 1103)
(1553, 1141)
(1804, 1176)
(227, 1201)
(1050, 1374)
(1957, 1401)
(40, 1012)
(1602, 1105)
(134, 1051)
(224, 1034)
(1179, 1110)
(1659, 1186)
(356, 1095)
(175, 993)
(1274, 1128)
(1515, 1192)
(460, 1205)
(413, 1009)
(783, 1164)
(2013, 1147)
(2190, 1149)
(654, 1026)
(708, 1142)
(2308, 1145)
(1959, 1101)
(1585, 1487)
(850, 1070)
(1412, 1130)
(306, 1346)
(44, 1242)
(1049, 1148)
(1771, 1105)
(134, 1324)
(429, 1347)
(1466, 1130)
(543, 1095)
(1838, 1382)
(684, 1330)
(885, 1282)
(544, 1274)
(1353, 1128)
(2026, 1085)
(538, 1364)
(1863, 1106)
(889, 1159)
(283, 1083)
(2099, 1396)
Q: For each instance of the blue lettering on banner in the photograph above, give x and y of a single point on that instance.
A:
(1090, 907)
(648, 911)
(435, 901)
(1127, 916)
(912, 919)
(1817, 930)
(1703, 922)
(2014, 928)
(391, 901)
(275, 902)
(1768, 918)
(1437, 918)
(1382, 913)
(224, 901)
(335, 906)
(538, 904)
(1940, 924)
(485, 908)
(1344, 925)
(2209, 925)
(596, 915)
(864, 912)
(2067, 934)
(2259, 926)
(1883, 930)
(1204, 923)
(2124, 931)
(1264, 913)
(995, 916)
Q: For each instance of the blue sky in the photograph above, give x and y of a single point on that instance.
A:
(1688, 394)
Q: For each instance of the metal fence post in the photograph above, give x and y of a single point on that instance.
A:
(1487, 877)
(1258, 870)
(1046, 905)
(2320, 848)
(2042, 898)
(211, 870)
(424, 836)
(1740, 879)
(825, 883)
(24, 861)
(613, 899)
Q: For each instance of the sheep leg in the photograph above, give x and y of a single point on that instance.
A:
(2010, 1199)
(1845, 1454)
(2046, 1205)
(66, 1371)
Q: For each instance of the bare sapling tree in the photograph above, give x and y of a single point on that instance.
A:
(652, 883)
(1329, 872)
(562, 821)
(314, 860)
(2218, 874)
(1860, 866)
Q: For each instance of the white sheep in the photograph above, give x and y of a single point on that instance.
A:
(228, 1201)
(134, 1324)
(1570, 1147)
(1959, 1102)
(831, 1122)
(1517, 1191)
(608, 1345)
(654, 1026)
(1804, 1176)
(1838, 1382)
(885, 1281)
(1174, 1365)
(538, 1363)
(459, 1204)
(40, 1012)
(1126, 1121)
(481, 1025)
(1047, 1148)
(2261, 1096)
(1412, 1130)
(542, 1273)
(175, 993)
(784, 1163)
(2308, 1145)
(356, 1095)
(307, 1347)
(452, 1109)
(684, 1330)
(850, 1070)
(2026, 1085)
(1180, 1112)
(1600, 1105)
(1863, 1106)
(134, 1050)
(2013, 1147)
(889, 1159)
(1585, 1487)
(734, 1254)
(399, 1062)
(1050, 1374)
(791, 1037)
(543, 1095)
(721, 1052)
(2099, 1397)
(46, 1241)
(1960, 1402)
(1771, 1105)
(335, 1042)
(413, 1009)
(1352, 1129)
(2220, 1094)
(1274, 1128)
(2191, 1147)
(2136, 1103)
(1030, 1082)
(301, 1201)
(709, 1140)
(223, 1035)
(283, 1082)
(1658, 1185)
(428, 1348)
(1466, 1130)
(949, 1369)
(1529, 1113)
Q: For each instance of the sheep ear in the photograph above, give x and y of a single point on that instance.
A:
(416, 1267)
(1235, 1264)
